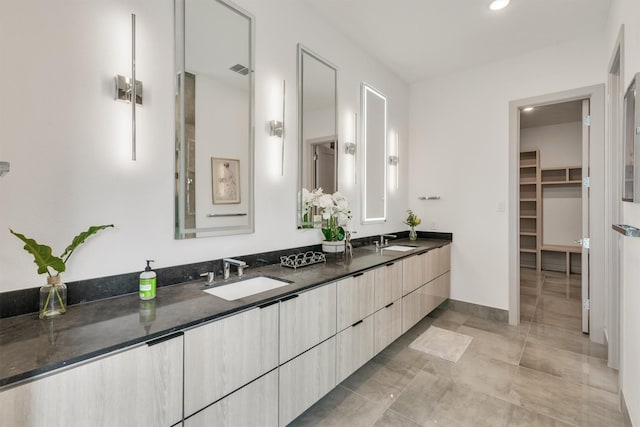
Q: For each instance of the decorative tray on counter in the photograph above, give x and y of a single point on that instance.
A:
(302, 259)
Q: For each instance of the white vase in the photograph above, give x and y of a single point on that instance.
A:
(333, 247)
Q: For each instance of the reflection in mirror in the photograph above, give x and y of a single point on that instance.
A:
(374, 141)
(318, 128)
(214, 119)
(631, 186)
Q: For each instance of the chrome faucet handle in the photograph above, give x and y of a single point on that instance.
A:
(210, 275)
(241, 269)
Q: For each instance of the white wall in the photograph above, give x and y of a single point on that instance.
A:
(560, 145)
(459, 151)
(69, 143)
(627, 12)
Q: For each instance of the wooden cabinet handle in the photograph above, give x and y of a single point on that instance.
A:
(357, 323)
(165, 338)
(388, 305)
(390, 264)
(357, 275)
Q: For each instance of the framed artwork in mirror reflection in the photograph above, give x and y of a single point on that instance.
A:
(225, 177)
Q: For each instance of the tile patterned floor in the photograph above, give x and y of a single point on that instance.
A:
(544, 372)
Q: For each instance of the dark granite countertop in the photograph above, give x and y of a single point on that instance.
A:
(30, 346)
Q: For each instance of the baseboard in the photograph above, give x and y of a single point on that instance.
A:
(482, 311)
(625, 411)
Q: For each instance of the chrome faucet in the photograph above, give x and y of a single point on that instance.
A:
(228, 262)
(384, 242)
(210, 275)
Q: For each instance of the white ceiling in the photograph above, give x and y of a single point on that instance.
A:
(554, 114)
(420, 39)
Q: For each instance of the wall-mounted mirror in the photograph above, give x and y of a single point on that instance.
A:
(374, 156)
(317, 127)
(214, 119)
(631, 166)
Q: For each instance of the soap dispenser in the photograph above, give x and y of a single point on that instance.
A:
(148, 282)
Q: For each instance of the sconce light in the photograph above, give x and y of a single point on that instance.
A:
(350, 148)
(393, 160)
(276, 127)
(4, 168)
(128, 91)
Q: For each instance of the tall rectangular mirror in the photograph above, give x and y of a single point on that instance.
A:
(374, 157)
(317, 129)
(631, 166)
(214, 119)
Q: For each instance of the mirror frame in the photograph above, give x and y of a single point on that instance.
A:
(181, 232)
(366, 90)
(302, 50)
(631, 143)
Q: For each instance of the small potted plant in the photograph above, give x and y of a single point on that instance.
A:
(53, 296)
(412, 221)
(335, 216)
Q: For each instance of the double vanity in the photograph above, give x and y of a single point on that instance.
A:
(195, 359)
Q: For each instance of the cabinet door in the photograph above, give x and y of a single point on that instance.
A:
(255, 404)
(140, 386)
(306, 319)
(354, 347)
(387, 284)
(355, 299)
(226, 354)
(444, 260)
(387, 325)
(413, 273)
(305, 379)
(436, 292)
(431, 265)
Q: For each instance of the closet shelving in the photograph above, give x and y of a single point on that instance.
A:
(561, 176)
(530, 196)
(532, 180)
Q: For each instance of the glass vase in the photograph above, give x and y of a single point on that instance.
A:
(413, 234)
(53, 298)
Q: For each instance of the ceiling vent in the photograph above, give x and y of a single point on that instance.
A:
(240, 69)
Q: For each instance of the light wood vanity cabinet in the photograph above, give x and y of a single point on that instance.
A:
(419, 301)
(306, 319)
(226, 354)
(263, 366)
(135, 387)
(305, 379)
(414, 272)
(255, 404)
(387, 284)
(308, 346)
(354, 347)
(355, 298)
(387, 325)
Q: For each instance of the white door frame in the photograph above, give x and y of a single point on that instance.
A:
(597, 211)
(615, 97)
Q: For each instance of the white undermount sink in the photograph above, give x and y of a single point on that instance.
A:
(246, 288)
(400, 248)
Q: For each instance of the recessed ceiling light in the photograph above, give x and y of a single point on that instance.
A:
(527, 109)
(498, 4)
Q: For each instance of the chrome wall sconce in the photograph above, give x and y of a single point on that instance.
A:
(127, 91)
(394, 160)
(276, 127)
(4, 168)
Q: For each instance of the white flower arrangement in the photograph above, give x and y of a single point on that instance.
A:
(334, 209)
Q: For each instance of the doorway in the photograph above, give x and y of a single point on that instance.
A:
(593, 266)
(554, 142)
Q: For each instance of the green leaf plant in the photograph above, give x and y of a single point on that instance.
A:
(47, 262)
